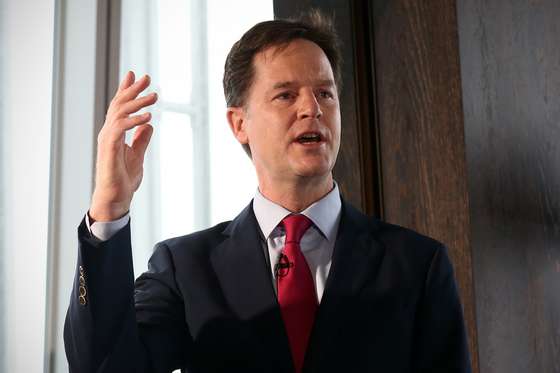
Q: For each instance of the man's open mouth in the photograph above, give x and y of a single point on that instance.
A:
(309, 138)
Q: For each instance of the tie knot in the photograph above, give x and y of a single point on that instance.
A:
(295, 226)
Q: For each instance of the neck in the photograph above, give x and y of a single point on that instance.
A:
(296, 196)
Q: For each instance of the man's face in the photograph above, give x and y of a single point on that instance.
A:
(291, 119)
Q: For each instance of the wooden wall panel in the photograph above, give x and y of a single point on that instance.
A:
(421, 135)
(403, 154)
(510, 60)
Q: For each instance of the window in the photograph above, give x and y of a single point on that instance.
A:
(195, 174)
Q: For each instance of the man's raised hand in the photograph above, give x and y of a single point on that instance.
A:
(119, 167)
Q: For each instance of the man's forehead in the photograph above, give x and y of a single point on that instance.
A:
(290, 48)
(296, 61)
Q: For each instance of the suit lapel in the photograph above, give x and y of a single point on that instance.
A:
(244, 276)
(356, 257)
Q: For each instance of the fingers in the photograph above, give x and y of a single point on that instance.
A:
(127, 81)
(132, 91)
(116, 132)
(133, 106)
(142, 138)
(126, 102)
(128, 123)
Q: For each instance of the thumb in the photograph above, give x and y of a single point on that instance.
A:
(141, 139)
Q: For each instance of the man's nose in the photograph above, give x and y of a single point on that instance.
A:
(309, 106)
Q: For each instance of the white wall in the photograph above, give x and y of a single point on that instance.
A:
(26, 63)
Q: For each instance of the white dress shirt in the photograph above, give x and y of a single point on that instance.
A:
(317, 244)
(103, 230)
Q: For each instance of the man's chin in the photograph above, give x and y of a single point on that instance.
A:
(309, 170)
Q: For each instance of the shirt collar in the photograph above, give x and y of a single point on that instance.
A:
(324, 213)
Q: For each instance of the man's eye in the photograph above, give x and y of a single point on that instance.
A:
(325, 94)
(284, 96)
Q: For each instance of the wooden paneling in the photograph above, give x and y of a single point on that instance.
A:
(403, 152)
(510, 60)
(354, 173)
(421, 135)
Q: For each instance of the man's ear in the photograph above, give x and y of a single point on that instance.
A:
(236, 119)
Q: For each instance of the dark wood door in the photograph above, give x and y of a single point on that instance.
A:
(420, 124)
(403, 151)
(452, 118)
(510, 61)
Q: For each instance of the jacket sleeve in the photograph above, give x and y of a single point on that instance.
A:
(113, 325)
(440, 337)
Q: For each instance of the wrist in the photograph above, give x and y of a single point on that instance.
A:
(107, 212)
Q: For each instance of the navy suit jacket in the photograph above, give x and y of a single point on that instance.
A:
(207, 304)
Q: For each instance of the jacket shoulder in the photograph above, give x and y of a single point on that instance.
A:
(400, 243)
(396, 234)
(197, 240)
(386, 232)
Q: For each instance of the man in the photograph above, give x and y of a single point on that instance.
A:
(299, 281)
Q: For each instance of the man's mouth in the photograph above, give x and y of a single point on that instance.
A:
(309, 138)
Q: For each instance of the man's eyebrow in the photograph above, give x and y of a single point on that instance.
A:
(289, 83)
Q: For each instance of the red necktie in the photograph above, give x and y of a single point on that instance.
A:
(296, 290)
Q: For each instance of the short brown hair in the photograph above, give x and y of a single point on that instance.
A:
(239, 69)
